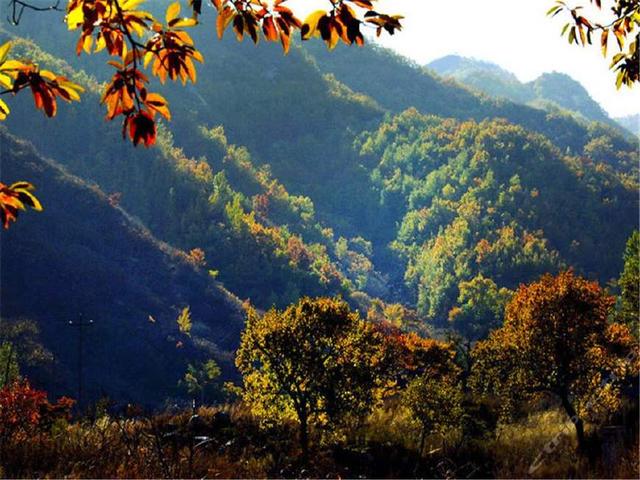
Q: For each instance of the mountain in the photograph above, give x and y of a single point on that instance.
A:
(549, 91)
(630, 122)
(457, 66)
(561, 90)
(490, 77)
(490, 200)
(352, 172)
(398, 84)
(84, 259)
(198, 189)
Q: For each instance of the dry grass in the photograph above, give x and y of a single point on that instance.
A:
(544, 446)
(386, 446)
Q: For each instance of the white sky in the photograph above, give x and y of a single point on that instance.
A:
(515, 34)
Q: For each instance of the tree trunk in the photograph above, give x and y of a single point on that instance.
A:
(577, 422)
(423, 437)
(304, 436)
(7, 369)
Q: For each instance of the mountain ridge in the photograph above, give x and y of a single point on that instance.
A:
(549, 90)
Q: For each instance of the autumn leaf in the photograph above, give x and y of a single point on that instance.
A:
(4, 110)
(142, 128)
(14, 198)
(184, 321)
(310, 25)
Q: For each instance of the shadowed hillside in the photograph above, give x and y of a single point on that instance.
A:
(83, 258)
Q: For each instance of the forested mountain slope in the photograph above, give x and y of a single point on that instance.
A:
(281, 107)
(220, 199)
(83, 259)
(631, 123)
(265, 167)
(493, 200)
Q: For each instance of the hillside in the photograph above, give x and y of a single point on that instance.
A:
(491, 200)
(482, 76)
(212, 185)
(397, 84)
(82, 258)
(550, 91)
(460, 67)
(561, 91)
(262, 167)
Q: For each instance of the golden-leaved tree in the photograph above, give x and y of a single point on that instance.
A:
(316, 362)
(557, 340)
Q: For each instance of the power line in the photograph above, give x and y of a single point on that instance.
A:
(81, 325)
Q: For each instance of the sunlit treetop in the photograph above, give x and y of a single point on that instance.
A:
(557, 340)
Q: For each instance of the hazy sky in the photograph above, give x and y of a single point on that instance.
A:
(515, 34)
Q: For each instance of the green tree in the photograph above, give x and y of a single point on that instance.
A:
(630, 284)
(315, 362)
(479, 310)
(9, 364)
(480, 307)
(556, 340)
(20, 346)
(201, 379)
(435, 402)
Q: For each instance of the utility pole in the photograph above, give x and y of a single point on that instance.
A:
(81, 325)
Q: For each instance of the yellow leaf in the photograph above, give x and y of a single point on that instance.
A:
(184, 321)
(604, 41)
(75, 18)
(4, 51)
(130, 4)
(333, 41)
(138, 28)
(147, 58)
(5, 81)
(184, 37)
(191, 70)
(100, 43)
(224, 19)
(72, 89)
(197, 56)
(87, 42)
(10, 65)
(183, 22)
(49, 75)
(4, 110)
(35, 203)
(311, 23)
(173, 11)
